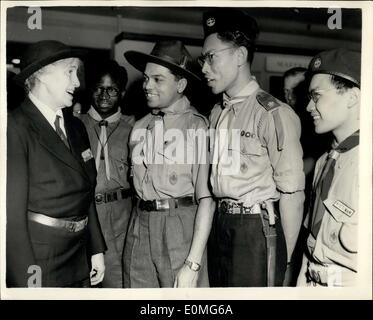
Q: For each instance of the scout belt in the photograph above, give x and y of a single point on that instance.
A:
(70, 225)
(234, 207)
(165, 204)
(113, 195)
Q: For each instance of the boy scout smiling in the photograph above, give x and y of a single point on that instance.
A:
(170, 225)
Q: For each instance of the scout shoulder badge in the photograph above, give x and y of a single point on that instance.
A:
(270, 104)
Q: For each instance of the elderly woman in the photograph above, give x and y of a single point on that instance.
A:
(52, 224)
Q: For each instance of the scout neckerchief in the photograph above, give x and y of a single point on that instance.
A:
(102, 139)
(321, 189)
(154, 146)
(154, 143)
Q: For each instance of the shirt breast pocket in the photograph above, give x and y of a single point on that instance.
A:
(346, 223)
(241, 156)
(250, 152)
(250, 146)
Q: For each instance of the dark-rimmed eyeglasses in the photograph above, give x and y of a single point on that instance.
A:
(209, 56)
(110, 91)
(315, 95)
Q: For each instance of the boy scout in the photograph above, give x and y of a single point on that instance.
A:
(108, 132)
(52, 221)
(170, 225)
(247, 242)
(331, 252)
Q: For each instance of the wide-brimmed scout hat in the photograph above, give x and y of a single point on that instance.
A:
(170, 54)
(339, 62)
(42, 53)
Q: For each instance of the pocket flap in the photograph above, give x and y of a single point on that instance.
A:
(248, 146)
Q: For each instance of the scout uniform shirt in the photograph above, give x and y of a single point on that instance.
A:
(158, 243)
(269, 151)
(113, 215)
(117, 139)
(336, 242)
(160, 171)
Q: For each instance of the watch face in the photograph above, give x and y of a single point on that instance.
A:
(195, 266)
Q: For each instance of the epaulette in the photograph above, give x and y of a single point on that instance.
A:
(270, 103)
(267, 101)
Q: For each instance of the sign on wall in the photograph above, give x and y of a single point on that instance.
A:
(280, 63)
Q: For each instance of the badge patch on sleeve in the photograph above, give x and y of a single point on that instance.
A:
(87, 155)
(342, 207)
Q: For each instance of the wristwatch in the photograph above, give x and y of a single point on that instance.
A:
(194, 266)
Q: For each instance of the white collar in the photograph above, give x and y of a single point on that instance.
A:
(246, 91)
(178, 107)
(46, 111)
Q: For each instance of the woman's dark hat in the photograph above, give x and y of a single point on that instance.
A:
(42, 53)
(170, 54)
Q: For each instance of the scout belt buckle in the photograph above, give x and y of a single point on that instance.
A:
(230, 207)
(154, 205)
(99, 198)
(70, 225)
(76, 226)
(161, 205)
(235, 208)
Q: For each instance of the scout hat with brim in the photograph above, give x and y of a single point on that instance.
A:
(42, 53)
(339, 62)
(170, 54)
